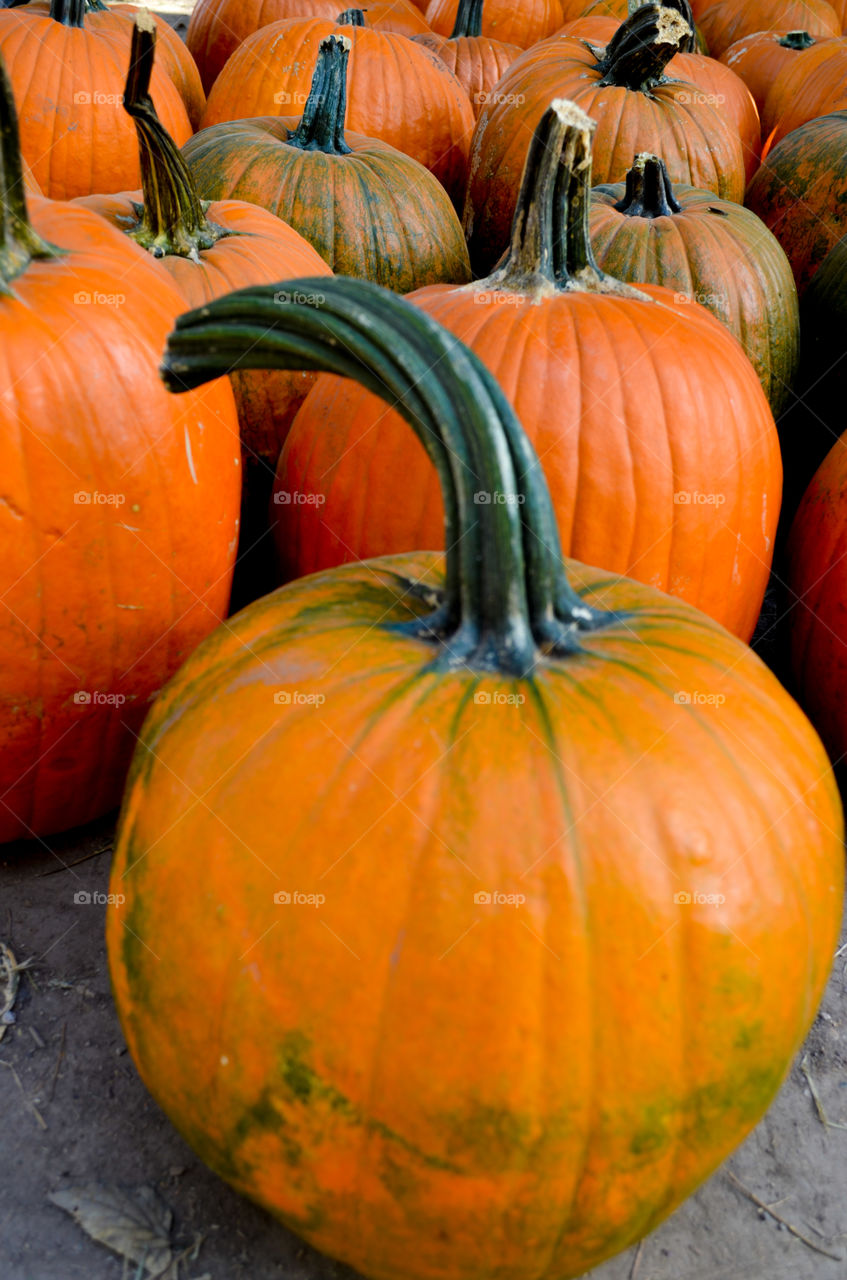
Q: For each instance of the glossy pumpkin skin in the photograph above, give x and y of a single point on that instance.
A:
(76, 148)
(812, 85)
(725, 22)
(477, 62)
(218, 27)
(104, 595)
(374, 213)
(758, 59)
(362, 1118)
(524, 24)
(817, 579)
(397, 91)
(800, 193)
(720, 255)
(697, 146)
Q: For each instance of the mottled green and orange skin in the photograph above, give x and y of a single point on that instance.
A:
(374, 213)
(397, 91)
(800, 193)
(718, 253)
(817, 576)
(418, 1084)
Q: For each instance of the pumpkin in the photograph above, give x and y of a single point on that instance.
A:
(524, 24)
(368, 209)
(715, 252)
(605, 382)
(817, 581)
(597, 30)
(564, 857)
(811, 85)
(67, 78)
(477, 61)
(840, 7)
(725, 22)
(397, 91)
(173, 57)
(800, 193)
(218, 27)
(816, 418)
(759, 58)
(209, 249)
(119, 515)
(624, 88)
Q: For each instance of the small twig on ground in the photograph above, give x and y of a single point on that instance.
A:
(760, 1204)
(636, 1261)
(816, 1098)
(57, 871)
(58, 1063)
(27, 1103)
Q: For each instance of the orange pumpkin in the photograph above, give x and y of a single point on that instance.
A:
(607, 385)
(218, 27)
(68, 75)
(811, 85)
(711, 250)
(119, 517)
(817, 579)
(209, 249)
(724, 22)
(396, 90)
(758, 60)
(477, 61)
(800, 193)
(521, 24)
(513, 913)
(369, 210)
(638, 109)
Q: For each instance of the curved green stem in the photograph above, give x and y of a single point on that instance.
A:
(322, 125)
(20, 244)
(636, 56)
(172, 217)
(351, 18)
(468, 19)
(799, 40)
(649, 190)
(71, 13)
(506, 587)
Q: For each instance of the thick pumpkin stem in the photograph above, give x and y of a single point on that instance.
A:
(351, 18)
(20, 244)
(799, 40)
(96, 6)
(649, 190)
(71, 13)
(683, 8)
(550, 239)
(507, 597)
(172, 217)
(322, 125)
(468, 19)
(636, 56)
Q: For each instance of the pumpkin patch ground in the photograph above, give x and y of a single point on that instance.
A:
(526, 1113)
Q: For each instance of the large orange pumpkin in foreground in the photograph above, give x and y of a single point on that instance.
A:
(510, 913)
(656, 438)
(119, 517)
